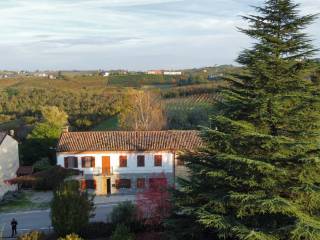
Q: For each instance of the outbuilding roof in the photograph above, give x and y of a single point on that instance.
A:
(129, 141)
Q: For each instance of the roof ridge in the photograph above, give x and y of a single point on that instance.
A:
(129, 140)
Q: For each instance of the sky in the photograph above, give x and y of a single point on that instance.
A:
(126, 34)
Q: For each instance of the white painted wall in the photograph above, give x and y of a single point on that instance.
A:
(173, 73)
(9, 163)
(167, 162)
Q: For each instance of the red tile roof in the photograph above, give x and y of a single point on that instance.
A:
(129, 141)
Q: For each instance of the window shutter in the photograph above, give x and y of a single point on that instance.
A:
(95, 184)
(75, 162)
(158, 160)
(83, 162)
(83, 184)
(117, 183)
(66, 162)
(93, 162)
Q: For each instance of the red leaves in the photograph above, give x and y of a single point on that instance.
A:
(153, 203)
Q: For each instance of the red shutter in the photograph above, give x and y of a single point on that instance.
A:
(93, 162)
(95, 184)
(65, 162)
(117, 183)
(83, 184)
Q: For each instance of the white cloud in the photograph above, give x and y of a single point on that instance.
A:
(125, 33)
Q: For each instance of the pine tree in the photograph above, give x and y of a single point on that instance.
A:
(258, 175)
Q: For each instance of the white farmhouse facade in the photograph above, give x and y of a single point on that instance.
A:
(122, 162)
(9, 162)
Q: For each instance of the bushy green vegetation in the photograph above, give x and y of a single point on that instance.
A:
(97, 230)
(91, 105)
(110, 124)
(122, 232)
(43, 138)
(70, 209)
(125, 213)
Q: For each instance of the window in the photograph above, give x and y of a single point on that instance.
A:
(88, 184)
(123, 161)
(180, 162)
(140, 160)
(71, 162)
(158, 160)
(88, 162)
(141, 183)
(158, 183)
(123, 183)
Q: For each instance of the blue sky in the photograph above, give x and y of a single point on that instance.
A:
(126, 34)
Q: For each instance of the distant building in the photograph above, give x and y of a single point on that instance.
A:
(169, 73)
(51, 76)
(44, 75)
(155, 72)
(215, 77)
(9, 162)
(106, 74)
(7, 75)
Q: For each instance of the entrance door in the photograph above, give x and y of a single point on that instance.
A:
(108, 186)
(106, 165)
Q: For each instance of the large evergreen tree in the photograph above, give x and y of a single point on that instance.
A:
(258, 175)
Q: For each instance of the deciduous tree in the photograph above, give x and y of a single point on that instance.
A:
(153, 202)
(144, 113)
(44, 136)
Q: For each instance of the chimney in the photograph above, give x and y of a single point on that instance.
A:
(11, 133)
(65, 129)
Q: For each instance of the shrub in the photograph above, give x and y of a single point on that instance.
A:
(52, 178)
(122, 232)
(46, 180)
(96, 230)
(34, 235)
(70, 209)
(124, 213)
(42, 165)
(71, 237)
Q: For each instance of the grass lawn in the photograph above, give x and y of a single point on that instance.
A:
(108, 125)
(22, 203)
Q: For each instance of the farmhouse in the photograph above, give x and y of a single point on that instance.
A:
(9, 162)
(125, 161)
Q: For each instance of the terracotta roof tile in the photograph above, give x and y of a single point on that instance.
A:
(128, 141)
